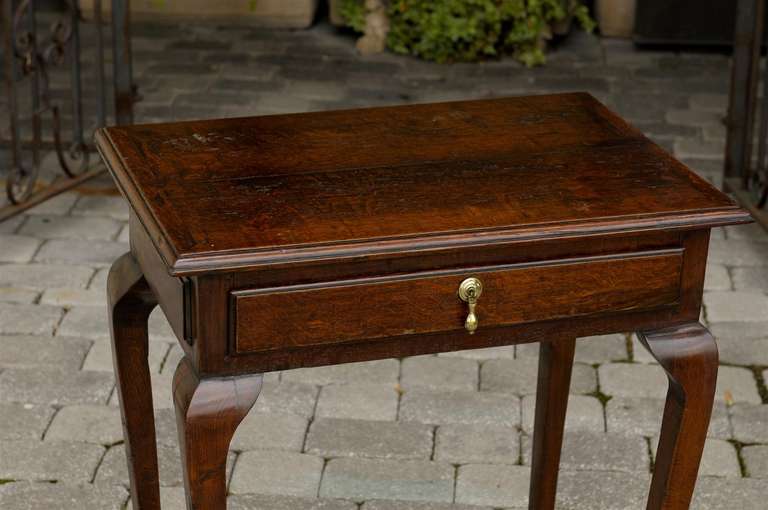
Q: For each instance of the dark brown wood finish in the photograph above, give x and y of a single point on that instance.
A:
(555, 366)
(208, 412)
(688, 354)
(314, 239)
(130, 303)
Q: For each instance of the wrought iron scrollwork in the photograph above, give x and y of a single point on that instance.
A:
(34, 56)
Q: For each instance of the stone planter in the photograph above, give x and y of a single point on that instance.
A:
(334, 9)
(616, 18)
(272, 13)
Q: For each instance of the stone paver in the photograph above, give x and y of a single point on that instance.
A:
(34, 460)
(70, 227)
(460, 407)
(750, 423)
(358, 401)
(496, 486)
(392, 431)
(267, 502)
(17, 319)
(278, 473)
(590, 490)
(270, 431)
(16, 248)
(642, 417)
(330, 437)
(388, 479)
(55, 387)
(519, 377)
(45, 496)
(24, 421)
(42, 351)
(467, 444)
(584, 413)
(86, 423)
(439, 373)
(756, 460)
(381, 371)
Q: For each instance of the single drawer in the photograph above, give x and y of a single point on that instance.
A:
(429, 302)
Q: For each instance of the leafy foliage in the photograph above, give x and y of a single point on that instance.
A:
(469, 30)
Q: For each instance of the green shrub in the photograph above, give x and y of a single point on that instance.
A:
(470, 30)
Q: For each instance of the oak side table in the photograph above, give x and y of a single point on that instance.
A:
(314, 239)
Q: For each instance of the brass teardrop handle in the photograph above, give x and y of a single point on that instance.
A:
(469, 292)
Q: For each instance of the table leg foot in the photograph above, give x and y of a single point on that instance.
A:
(130, 303)
(689, 356)
(555, 366)
(208, 411)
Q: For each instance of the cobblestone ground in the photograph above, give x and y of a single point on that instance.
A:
(427, 433)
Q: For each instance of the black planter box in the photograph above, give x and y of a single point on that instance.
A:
(704, 22)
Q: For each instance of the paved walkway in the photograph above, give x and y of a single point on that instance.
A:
(428, 433)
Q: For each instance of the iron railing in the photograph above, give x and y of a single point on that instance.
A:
(37, 42)
(746, 162)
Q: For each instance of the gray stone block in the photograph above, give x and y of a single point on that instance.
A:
(24, 421)
(43, 351)
(113, 470)
(756, 460)
(743, 351)
(750, 423)
(266, 502)
(584, 413)
(496, 486)
(439, 373)
(88, 424)
(18, 295)
(750, 279)
(633, 380)
(734, 252)
(54, 387)
(601, 349)
(38, 461)
(91, 253)
(642, 417)
(286, 397)
(507, 352)
(520, 377)
(358, 401)
(41, 276)
(74, 297)
(476, 444)
(416, 505)
(736, 384)
(47, 496)
(102, 206)
(18, 248)
(58, 205)
(719, 458)
(39, 320)
(717, 278)
(270, 431)
(380, 372)
(460, 407)
(361, 438)
(70, 227)
(696, 118)
(740, 306)
(409, 480)
(277, 473)
(603, 490)
(586, 450)
(694, 148)
(730, 493)
(99, 357)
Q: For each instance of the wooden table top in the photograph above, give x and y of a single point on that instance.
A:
(225, 194)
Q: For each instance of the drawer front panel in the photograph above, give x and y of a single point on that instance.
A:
(423, 303)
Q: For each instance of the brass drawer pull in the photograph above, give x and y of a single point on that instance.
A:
(469, 292)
